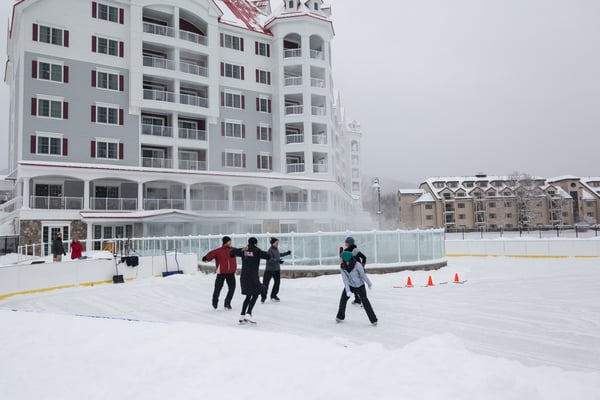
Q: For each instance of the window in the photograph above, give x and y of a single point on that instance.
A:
(263, 133)
(262, 49)
(492, 204)
(492, 216)
(263, 77)
(233, 100)
(107, 13)
(50, 144)
(49, 71)
(108, 46)
(107, 149)
(288, 227)
(428, 206)
(316, 6)
(234, 159)
(508, 215)
(50, 108)
(107, 80)
(232, 42)
(462, 216)
(461, 205)
(291, 5)
(107, 115)
(264, 161)
(447, 196)
(233, 129)
(507, 204)
(263, 104)
(429, 217)
(234, 71)
(51, 35)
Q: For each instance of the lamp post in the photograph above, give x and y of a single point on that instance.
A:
(377, 186)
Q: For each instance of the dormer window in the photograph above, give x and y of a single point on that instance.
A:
(316, 6)
(291, 3)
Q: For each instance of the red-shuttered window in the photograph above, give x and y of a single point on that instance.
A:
(263, 77)
(49, 71)
(232, 42)
(51, 35)
(108, 80)
(108, 13)
(232, 71)
(107, 46)
(107, 149)
(233, 100)
(264, 133)
(233, 159)
(264, 161)
(49, 107)
(263, 104)
(107, 114)
(49, 144)
(262, 49)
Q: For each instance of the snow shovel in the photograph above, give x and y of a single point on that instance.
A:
(117, 278)
(173, 272)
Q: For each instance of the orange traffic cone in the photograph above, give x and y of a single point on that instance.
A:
(430, 281)
(456, 280)
(409, 282)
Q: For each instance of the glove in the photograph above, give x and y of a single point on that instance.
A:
(370, 287)
(281, 261)
(64, 254)
(349, 294)
(204, 259)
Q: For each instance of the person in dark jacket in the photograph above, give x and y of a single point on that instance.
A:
(354, 278)
(273, 270)
(58, 250)
(249, 279)
(226, 267)
(349, 245)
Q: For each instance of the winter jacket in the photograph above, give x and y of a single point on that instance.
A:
(226, 264)
(360, 257)
(249, 280)
(57, 247)
(76, 249)
(274, 264)
(353, 275)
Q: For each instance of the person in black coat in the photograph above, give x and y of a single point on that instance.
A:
(249, 279)
(350, 246)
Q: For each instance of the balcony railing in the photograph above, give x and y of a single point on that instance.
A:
(316, 110)
(294, 138)
(159, 95)
(210, 205)
(11, 205)
(193, 134)
(162, 30)
(194, 69)
(56, 203)
(162, 204)
(318, 54)
(295, 167)
(317, 82)
(289, 206)
(149, 162)
(157, 130)
(320, 168)
(292, 81)
(193, 100)
(158, 62)
(193, 165)
(294, 110)
(319, 138)
(319, 206)
(103, 203)
(288, 53)
(250, 205)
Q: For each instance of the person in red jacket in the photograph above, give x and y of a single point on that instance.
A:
(226, 267)
(76, 249)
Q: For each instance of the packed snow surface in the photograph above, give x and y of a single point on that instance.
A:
(516, 329)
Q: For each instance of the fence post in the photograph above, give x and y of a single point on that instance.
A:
(375, 245)
(319, 236)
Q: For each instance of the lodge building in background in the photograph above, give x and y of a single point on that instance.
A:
(493, 202)
(138, 118)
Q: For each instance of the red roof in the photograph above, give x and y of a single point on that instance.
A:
(247, 14)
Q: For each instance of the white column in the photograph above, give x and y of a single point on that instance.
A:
(86, 195)
(230, 194)
(188, 197)
(25, 194)
(140, 199)
(89, 236)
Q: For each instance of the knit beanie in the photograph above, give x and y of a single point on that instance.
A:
(252, 241)
(274, 239)
(350, 240)
(346, 256)
(226, 239)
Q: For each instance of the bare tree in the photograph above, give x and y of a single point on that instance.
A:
(388, 201)
(528, 196)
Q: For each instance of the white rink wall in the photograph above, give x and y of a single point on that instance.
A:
(518, 247)
(29, 278)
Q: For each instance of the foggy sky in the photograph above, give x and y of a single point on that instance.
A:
(460, 87)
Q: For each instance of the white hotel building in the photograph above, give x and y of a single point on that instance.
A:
(138, 118)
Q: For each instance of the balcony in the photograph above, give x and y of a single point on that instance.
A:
(157, 130)
(159, 62)
(56, 202)
(294, 138)
(293, 206)
(317, 110)
(149, 162)
(291, 53)
(159, 95)
(320, 168)
(294, 110)
(192, 165)
(319, 138)
(192, 134)
(317, 82)
(193, 100)
(193, 69)
(295, 168)
(156, 29)
(210, 205)
(103, 203)
(317, 54)
(292, 81)
(162, 204)
(250, 205)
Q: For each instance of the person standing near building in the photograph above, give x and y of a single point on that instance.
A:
(226, 267)
(350, 245)
(58, 250)
(354, 278)
(273, 270)
(249, 279)
(76, 249)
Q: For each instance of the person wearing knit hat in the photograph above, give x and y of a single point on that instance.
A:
(226, 267)
(350, 245)
(273, 270)
(354, 278)
(249, 279)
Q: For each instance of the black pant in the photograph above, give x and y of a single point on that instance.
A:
(230, 278)
(249, 303)
(361, 292)
(276, 275)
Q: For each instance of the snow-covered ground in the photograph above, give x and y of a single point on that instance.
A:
(517, 329)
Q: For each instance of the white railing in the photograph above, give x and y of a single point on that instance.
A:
(319, 206)
(319, 138)
(157, 130)
(159, 95)
(317, 82)
(317, 54)
(192, 165)
(316, 110)
(293, 110)
(162, 30)
(162, 204)
(292, 206)
(56, 203)
(158, 62)
(11, 205)
(193, 100)
(104, 203)
(194, 69)
(294, 138)
(295, 167)
(320, 167)
(292, 81)
(150, 162)
(244, 205)
(288, 53)
(210, 205)
(193, 134)
(193, 37)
